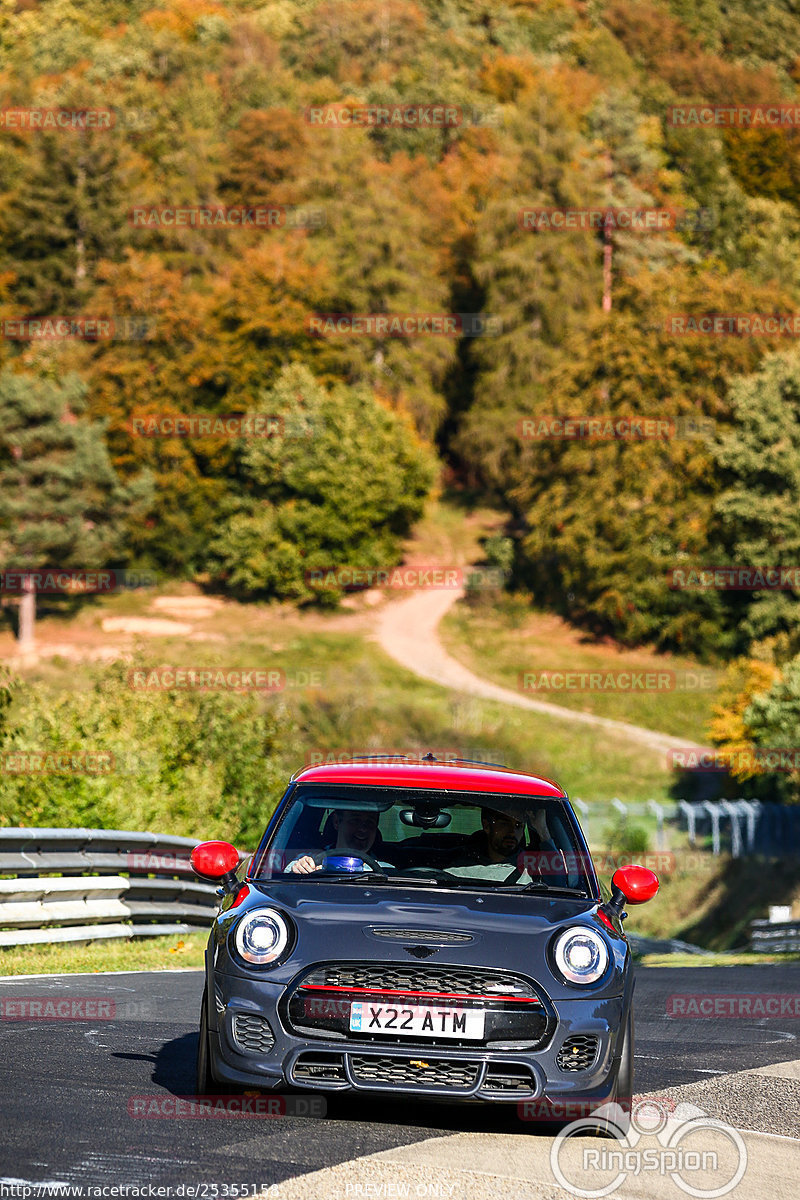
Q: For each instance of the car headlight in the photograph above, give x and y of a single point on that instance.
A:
(581, 955)
(261, 936)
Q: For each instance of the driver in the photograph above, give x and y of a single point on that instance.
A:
(356, 831)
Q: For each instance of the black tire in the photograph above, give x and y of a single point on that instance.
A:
(617, 1125)
(622, 1096)
(623, 1092)
(204, 1083)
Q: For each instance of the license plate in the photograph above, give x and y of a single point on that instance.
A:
(417, 1020)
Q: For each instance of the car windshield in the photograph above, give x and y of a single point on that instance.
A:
(356, 833)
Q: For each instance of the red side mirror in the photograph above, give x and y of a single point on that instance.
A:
(213, 860)
(637, 884)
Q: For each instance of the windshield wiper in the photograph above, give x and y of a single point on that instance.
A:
(409, 879)
(342, 876)
(538, 885)
(363, 877)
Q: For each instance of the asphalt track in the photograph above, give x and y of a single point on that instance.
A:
(69, 1084)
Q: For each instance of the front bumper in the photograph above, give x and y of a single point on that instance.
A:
(426, 1067)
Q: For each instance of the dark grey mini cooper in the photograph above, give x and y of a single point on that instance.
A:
(421, 927)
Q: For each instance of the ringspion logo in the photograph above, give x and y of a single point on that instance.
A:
(701, 1155)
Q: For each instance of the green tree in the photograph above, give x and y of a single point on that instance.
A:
(61, 503)
(606, 521)
(7, 685)
(758, 509)
(62, 201)
(742, 681)
(773, 723)
(193, 764)
(341, 486)
(384, 255)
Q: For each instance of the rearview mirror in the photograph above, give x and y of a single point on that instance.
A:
(425, 818)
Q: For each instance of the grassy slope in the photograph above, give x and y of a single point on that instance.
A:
(148, 954)
(500, 642)
(361, 701)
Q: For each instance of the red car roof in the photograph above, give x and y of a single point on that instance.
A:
(459, 777)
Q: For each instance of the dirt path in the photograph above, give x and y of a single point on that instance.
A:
(407, 631)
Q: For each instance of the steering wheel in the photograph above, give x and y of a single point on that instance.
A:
(367, 858)
(371, 862)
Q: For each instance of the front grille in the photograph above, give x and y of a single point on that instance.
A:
(509, 1079)
(424, 935)
(578, 1053)
(320, 1002)
(387, 1071)
(315, 1067)
(253, 1033)
(397, 977)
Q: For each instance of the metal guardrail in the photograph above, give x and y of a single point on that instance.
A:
(68, 886)
(749, 826)
(597, 816)
(739, 827)
(775, 937)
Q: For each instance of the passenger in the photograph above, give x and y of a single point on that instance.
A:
(502, 837)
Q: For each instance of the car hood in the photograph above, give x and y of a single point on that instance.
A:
(360, 921)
